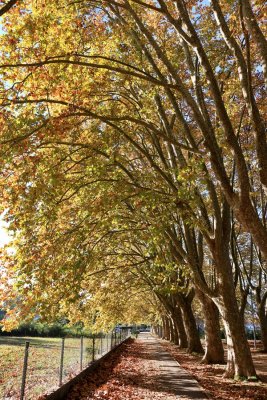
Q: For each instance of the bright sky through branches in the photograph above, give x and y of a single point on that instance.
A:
(4, 237)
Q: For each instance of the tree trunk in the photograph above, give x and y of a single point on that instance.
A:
(263, 325)
(166, 328)
(161, 331)
(169, 334)
(163, 326)
(239, 360)
(194, 343)
(214, 352)
(244, 297)
(173, 308)
(172, 334)
(175, 337)
(179, 324)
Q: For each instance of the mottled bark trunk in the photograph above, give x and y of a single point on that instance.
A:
(171, 330)
(244, 297)
(168, 331)
(256, 33)
(194, 343)
(179, 324)
(214, 352)
(239, 363)
(166, 328)
(263, 325)
(175, 332)
(174, 310)
(163, 327)
(239, 360)
(161, 331)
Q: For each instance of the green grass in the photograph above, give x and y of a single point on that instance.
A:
(43, 364)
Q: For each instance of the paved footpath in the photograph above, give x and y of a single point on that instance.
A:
(171, 377)
(138, 370)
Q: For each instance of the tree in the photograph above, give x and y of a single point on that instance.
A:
(130, 98)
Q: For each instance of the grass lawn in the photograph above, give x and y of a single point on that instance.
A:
(43, 364)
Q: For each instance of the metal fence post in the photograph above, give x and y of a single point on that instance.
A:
(93, 350)
(81, 354)
(61, 361)
(24, 372)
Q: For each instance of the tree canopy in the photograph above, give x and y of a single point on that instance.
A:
(134, 162)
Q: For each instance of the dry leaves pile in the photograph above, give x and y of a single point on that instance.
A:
(129, 373)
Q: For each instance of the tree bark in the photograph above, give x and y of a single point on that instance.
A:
(239, 360)
(256, 33)
(173, 309)
(263, 327)
(175, 332)
(179, 324)
(214, 352)
(168, 334)
(166, 330)
(263, 322)
(194, 343)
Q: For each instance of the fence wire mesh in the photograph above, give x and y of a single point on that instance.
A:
(43, 363)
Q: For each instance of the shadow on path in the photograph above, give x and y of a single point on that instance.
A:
(140, 369)
(171, 377)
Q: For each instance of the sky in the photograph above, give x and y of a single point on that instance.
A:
(4, 238)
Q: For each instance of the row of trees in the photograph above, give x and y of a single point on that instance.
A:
(133, 140)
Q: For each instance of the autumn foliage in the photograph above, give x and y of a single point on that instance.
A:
(134, 166)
